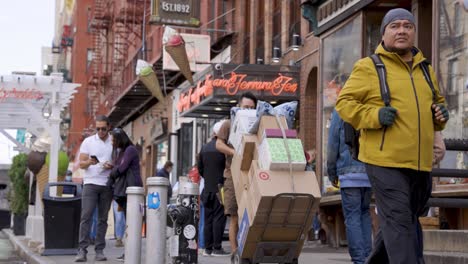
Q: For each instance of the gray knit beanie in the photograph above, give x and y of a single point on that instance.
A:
(396, 14)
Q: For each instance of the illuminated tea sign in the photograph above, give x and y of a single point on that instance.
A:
(269, 84)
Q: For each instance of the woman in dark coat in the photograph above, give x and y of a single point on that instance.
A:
(126, 170)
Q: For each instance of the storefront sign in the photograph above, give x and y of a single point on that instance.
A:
(176, 12)
(28, 94)
(198, 51)
(217, 83)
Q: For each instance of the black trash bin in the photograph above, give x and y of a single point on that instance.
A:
(62, 219)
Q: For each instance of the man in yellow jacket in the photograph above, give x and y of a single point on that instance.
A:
(396, 141)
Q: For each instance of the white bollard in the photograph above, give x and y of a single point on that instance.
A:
(156, 220)
(134, 219)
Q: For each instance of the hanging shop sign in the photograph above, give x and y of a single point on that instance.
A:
(221, 84)
(176, 12)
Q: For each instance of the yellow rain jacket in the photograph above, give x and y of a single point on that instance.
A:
(409, 141)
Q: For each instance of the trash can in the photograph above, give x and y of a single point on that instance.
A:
(61, 219)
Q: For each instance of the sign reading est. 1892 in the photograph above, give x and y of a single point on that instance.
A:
(176, 12)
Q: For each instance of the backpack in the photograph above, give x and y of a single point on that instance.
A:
(351, 135)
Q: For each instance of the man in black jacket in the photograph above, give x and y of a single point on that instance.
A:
(211, 165)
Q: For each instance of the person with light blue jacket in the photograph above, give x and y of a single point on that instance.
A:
(355, 191)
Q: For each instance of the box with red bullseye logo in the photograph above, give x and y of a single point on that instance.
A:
(276, 218)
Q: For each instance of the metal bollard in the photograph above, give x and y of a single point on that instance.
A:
(156, 220)
(134, 219)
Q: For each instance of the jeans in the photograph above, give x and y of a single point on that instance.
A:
(355, 202)
(201, 226)
(119, 221)
(92, 233)
(401, 196)
(94, 196)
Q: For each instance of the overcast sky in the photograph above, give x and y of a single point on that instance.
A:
(25, 27)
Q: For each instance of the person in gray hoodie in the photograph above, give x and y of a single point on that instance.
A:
(355, 191)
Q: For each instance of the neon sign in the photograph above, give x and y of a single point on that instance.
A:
(232, 86)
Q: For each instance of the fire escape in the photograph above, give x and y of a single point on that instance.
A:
(125, 35)
(99, 65)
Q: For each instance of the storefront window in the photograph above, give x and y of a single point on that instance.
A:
(162, 154)
(452, 73)
(185, 144)
(341, 50)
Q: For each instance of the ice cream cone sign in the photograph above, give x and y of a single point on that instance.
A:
(148, 77)
(175, 46)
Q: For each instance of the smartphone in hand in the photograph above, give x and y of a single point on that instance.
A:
(95, 158)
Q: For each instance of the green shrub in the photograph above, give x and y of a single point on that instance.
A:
(62, 162)
(20, 187)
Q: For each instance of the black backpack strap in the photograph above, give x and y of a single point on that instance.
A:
(425, 69)
(382, 74)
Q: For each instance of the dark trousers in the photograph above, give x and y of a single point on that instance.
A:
(100, 196)
(401, 195)
(215, 220)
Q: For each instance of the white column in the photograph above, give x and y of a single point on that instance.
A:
(156, 218)
(134, 222)
(54, 121)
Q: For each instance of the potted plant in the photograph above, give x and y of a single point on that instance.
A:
(19, 194)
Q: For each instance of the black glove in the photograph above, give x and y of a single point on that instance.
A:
(443, 110)
(333, 180)
(387, 115)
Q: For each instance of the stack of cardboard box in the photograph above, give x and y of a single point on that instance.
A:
(259, 176)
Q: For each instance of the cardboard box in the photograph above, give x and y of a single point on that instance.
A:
(270, 122)
(249, 145)
(272, 154)
(283, 219)
(240, 178)
(265, 184)
(241, 124)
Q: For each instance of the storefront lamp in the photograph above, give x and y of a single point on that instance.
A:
(259, 61)
(276, 55)
(218, 109)
(232, 101)
(296, 42)
(273, 102)
(204, 115)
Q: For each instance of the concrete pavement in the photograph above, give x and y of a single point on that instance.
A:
(313, 252)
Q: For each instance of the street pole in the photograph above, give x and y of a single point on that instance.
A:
(156, 220)
(134, 219)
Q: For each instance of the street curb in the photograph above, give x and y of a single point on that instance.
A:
(24, 251)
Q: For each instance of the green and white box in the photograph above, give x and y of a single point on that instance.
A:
(272, 154)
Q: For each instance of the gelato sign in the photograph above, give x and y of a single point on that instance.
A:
(27, 94)
(176, 12)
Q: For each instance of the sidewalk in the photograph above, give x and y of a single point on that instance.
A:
(312, 252)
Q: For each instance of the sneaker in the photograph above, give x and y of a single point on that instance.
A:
(207, 252)
(119, 243)
(100, 256)
(121, 258)
(220, 253)
(81, 256)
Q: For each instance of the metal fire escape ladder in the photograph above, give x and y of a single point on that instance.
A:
(98, 29)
